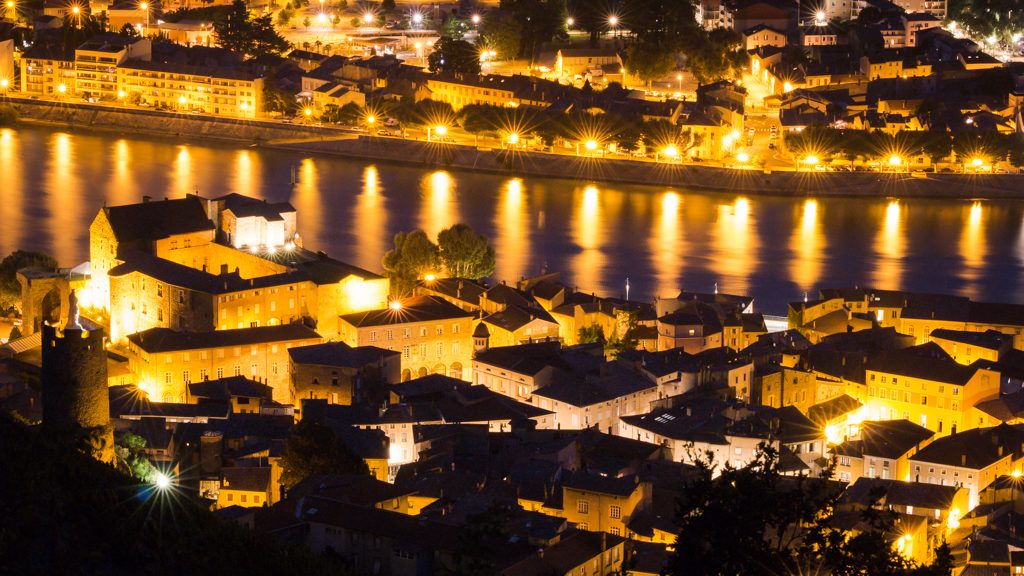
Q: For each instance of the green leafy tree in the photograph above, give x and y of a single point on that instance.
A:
(464, 253)
(590, 334)
(413, 256)
(315, 449)
(131, 459)
(714, 55)
(503, 34)
(540, 21)
(10, 289)
(754, 520)
(624, 337)
(241, 32)
(649, 62)
(451, 55)
(591, 16)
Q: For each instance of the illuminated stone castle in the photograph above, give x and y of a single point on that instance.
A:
(232, 262)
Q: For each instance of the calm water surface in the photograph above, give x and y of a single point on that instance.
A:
(52, 183)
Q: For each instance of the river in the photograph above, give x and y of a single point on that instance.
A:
(52, 183)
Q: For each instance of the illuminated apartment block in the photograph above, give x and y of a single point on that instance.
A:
(185, 88)
(97, 60)
(166, 362)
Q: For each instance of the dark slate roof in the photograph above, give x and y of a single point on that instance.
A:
(589, 482)
(885, 439)
(897, 493)
(156, 340)
(415, 309)
(564, 556)
(183, 276)
(989, 339)
(323, 269)
(833, 408)
(249, 479)
(461, 289)
(226, 388)
(338, 354)
(975, 449)
(988, 551)
(514, 317)
(527, 359)
(927, 362)
(158, 219)
(431, 385)
(612, 380)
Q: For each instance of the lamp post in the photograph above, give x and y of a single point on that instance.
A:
(613, 21)
(144, 6)
(11, 12)
(679, 78)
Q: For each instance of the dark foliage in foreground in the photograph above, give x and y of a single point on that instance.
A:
(65, 513)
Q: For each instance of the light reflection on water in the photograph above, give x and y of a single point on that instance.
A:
(52, 183)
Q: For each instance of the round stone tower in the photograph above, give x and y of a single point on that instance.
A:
(74, 381)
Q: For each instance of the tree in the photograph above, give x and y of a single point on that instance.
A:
(240, 32)
(130, 457)
(624, 337)
(503, 34)
(464, 253)
(592, 17)
(649, 62)
(754, 520)
(413, 256)
(10, 289)
(130, 31)
(589, 334)
(713, 55)
(387, 5)
(14, 334)
(539, 22)
(315, 449)
(451, 55)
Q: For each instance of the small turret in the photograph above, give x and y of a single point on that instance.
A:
(481, 338)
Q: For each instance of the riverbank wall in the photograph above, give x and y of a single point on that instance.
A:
(325, 140)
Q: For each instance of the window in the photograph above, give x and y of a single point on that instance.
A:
(405, 352)
(583, 507)
(440, 330)
(373, 335)
(168, 377)
(388, 335)
(440, 349)
(455, 328)
(220, 373)
(615, 512)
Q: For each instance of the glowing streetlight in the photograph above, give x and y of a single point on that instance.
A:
(513, 138)
(440, 130)
(679, 78)
(321, 18)
(570, 21)
(671, 151)
(182, 100)
(895, 160)
(811, 160)
(417, 18)
(395, 305)
(743, 157)
(428, 278)
(368, 18)
(76, 10)
(62, 88)
(977, 162)
(476, 19)
(4, 84)
(244, 106)
(162, 481)
(613, 22)
(308, 112)
(370, 119)
(591, 145)
(819, 18)
(120, 94)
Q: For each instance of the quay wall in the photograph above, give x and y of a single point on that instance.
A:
(328, 140)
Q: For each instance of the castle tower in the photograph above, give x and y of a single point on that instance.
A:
(74, 381)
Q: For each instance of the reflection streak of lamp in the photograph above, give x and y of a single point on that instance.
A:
(183, 180)
(245, 176)
(808, 244)
(891, 248)
(63, 193)
(123, 185)
(666, 246)
(973, 250)
(311, 208)
(735, 247)
(588, 263)
(440, 209)
(370, 221)
(10, 192)
(513, 234)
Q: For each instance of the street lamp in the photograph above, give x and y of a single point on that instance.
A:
(62, 89)
(811, 160)
(513, 139)
(569, 22)
(613, 21)
(895, 161)
(4, 84)
(368, 18)
(476, 19)
(439, 130)
(417, 18)
(671, 152)
(743, 157)
(370, 119)
(144, 6)
(162, 481)
(679, 78)
(819, 18)
(308, 112)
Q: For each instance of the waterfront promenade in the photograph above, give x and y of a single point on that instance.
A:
(331, 140)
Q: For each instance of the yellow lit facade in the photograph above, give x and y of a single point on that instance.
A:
(438, 344)
(944, 407)
(221, 92)
(46, 75)
(165, 373)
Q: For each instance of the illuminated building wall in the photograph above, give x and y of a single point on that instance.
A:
(165, 374)
(921, 328)
(258, 230)
(435, 346)
(604, 414)
(140, 302)
(604, 511)
(221, 92)
(47, 75)
(792, 387)
(96, 63)
(943, 407)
